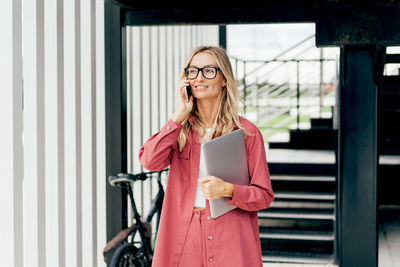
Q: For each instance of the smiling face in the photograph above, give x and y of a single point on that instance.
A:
(203, 88)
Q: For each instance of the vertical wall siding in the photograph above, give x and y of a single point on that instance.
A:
(156, 56)
(33, 124)
(11, 152)
(52, 153)
(100, 176)
(54, 131)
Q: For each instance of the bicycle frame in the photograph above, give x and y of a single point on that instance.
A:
(147, 251)
(155, 208)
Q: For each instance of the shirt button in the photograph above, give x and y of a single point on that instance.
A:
(168, 128)
(196, 214)
(236, 203)
(209, 217)
(210, 259)
(209, 237)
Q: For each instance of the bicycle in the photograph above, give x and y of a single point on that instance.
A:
(135, 253)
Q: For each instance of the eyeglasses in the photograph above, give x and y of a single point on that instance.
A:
(208, 72)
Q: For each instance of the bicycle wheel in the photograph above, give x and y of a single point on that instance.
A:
(127, 256)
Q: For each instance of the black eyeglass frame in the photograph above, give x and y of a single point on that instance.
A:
(202, 73)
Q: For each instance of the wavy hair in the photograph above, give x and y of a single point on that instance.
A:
(228, 108)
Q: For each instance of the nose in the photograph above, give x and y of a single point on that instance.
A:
(200, 76)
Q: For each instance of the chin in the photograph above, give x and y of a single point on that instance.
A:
(204, 95)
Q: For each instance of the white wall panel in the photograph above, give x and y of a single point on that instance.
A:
(70, 110)
(135, 52)
(52, 80)
(155, 98)
(11, 202)
(34, 161)
(54, 146)
(101, 178)
(170, 70)
(87, 135)
(146, 105)
(162, 77)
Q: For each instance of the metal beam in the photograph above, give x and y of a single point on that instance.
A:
(202, 16)
(357, 159)
(358, 24)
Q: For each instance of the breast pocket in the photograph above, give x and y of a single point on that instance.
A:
(185, 154)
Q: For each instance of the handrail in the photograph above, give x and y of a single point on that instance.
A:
(278, 56)
(256, 86)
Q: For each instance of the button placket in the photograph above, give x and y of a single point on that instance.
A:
(209, 234)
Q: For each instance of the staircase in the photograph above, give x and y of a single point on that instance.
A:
(299, 227)
(319, 136)
(389, 111)
(389, 136)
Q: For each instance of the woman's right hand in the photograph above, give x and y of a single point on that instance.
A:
(183, 108)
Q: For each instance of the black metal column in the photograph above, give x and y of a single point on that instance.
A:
(222, 36)
(357, 155)
(115, 115)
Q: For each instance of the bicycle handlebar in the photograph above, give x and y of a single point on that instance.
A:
(129, 177)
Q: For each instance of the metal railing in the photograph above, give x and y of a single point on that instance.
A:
(287, 91)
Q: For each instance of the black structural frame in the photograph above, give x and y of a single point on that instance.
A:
(362, 29)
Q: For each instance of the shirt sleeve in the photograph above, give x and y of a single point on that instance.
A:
(258, 194)
(156, 153)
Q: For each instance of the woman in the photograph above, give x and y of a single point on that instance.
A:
(188, 236)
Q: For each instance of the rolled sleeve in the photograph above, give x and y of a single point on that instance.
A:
(171, 126)
(156, 152)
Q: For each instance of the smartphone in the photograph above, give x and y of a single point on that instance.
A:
(188, 93)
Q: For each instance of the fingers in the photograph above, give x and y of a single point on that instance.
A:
(204, 180)
(207, 179)
(209, 189)
(182, 86)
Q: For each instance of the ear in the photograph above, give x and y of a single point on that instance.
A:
(224, 83)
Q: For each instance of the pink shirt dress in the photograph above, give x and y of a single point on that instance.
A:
(236, 240)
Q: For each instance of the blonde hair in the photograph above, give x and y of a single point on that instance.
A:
(228, 109)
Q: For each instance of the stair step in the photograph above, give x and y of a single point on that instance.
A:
(302, 178)
(391, 84)
(298, 235)
(296, 225)
(391, 79)
(312, 138)
(305, 195)
(324, 122)
(296, 214)
(392, 58)
(299, 168)
(302, 204)
(305, 258)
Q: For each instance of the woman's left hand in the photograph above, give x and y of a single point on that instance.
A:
(214, 187)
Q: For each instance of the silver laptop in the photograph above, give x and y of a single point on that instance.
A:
(225, 158)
